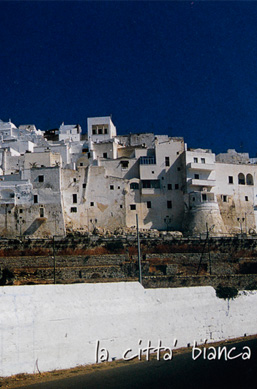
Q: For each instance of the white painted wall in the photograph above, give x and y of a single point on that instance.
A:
(47, 327)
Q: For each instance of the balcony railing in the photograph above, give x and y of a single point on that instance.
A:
(201, 166)
(198, 182)
(147, 161)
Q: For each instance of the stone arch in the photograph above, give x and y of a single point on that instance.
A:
(241, 179)
(249, 179)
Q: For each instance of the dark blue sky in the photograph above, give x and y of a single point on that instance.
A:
(182, 68)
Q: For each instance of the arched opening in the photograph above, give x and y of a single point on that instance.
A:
(249, 179)
(134, 185)
(241, 179)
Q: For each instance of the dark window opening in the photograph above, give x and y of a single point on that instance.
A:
(124, 164)
(111, 187)
(35, 199)
(196, 176)
(94, 132)
(202, 160)
(204, 197)
(169, 186)
(21, 210)
(230, 179)
(41, 212)
(74, 198)
(105, 155)
(167, 161)
(241, 179)
(149, 204)
(100, 131)
(151, 184)
(73, 209)
(84, 185)
(169, 204)
(246, 198)
(91, 204)
(40, 178)
(176, 186)
(134, 185)
(195, 160)
(133, 207)
(121, 206)
(74, 179)
(81, 164)
(105, 131)
(224, 199)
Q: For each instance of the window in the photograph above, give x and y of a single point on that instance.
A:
(94, 132)
(84, 185)
(81, 164)
(249, 179)
(41, 212)
(85, 150)
(230, 179)
(176, 186)
(195, 160)
(74, 179)
(74, 198)
(121, 206)
(169, 186)
(224, 198)
(202, 160)
(196, 176)
(40, 178)
(124, 164)
(241, 179)
(92, 204)
(35, 199)
(149, 204)
(100, 131)
(111, 187)
(167, 161)
(193, 198)
(105, 131)
(178, 169)
(134, 185)
(104, 155)
(88, 155)
(133, 207)
(21, 210)
(204, 197)
(151, 184)
(246, 198)
(73, 209)
(169, 204)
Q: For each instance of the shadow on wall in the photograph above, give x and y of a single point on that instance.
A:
(34, 226)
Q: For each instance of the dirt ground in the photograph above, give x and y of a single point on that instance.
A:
(20, 380)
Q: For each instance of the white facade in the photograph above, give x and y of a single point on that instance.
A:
(104, 181)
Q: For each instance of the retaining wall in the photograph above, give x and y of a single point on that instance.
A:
(47, 327)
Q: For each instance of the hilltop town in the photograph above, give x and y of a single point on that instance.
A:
(59, 181)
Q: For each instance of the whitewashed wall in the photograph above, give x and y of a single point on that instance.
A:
(47, 327)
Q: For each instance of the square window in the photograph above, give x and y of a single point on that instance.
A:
(176, 186)
(169, 204)
(74, 179)
(100, 131)
(169, 186)
(92, 204)
(81, 164)
(152, 172)
(121, 206)
(21, 210)
(196, 176)
(124, 164)
(195, 160)
(149, 204)
(40, 178)
(230, 179)
(133, 207)
(73, 209)
(105, 155)
(111, 187)
(74, 198)
(178, 169)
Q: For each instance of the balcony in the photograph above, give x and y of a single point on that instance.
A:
(147, 161)
(150, 191)
(198, 182)
(207, 167)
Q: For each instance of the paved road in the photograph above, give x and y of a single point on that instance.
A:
(181, 372)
